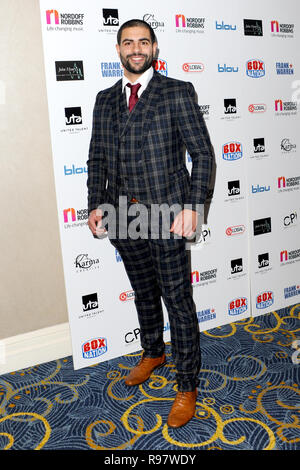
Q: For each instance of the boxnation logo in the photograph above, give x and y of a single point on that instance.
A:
(94, 348)
(237, 306)
(255, 68)
(264, 299)
(232, 151)
(160, 65)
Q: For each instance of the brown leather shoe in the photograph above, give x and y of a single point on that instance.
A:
(183, 409)
(144, 369)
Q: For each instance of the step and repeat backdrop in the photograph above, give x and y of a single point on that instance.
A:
(243, 60)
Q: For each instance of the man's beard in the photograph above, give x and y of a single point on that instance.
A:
(139, 69)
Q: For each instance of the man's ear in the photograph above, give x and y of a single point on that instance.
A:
(118, 49)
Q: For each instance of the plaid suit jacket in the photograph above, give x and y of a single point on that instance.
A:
(164, 122)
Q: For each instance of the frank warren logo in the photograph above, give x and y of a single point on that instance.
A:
(284, 68)
(253, 27)
(69, 70)
(291, 291)
(264, 299)
(232, 151)
(57, 21)
(111, 69)
(255, 68)
(237, 306)
(94, 348)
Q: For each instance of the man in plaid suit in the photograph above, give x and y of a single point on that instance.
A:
(141, 127)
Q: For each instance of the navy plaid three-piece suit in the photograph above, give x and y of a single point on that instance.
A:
(141, 154)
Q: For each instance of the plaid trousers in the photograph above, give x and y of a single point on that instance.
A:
(159, 268)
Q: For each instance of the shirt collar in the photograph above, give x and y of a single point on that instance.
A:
(144, 79)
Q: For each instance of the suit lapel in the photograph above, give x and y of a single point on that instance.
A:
(145, 107)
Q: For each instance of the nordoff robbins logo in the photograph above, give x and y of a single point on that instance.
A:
(193, 67)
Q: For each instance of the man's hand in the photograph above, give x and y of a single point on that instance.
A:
(94, 222)
(185, 223)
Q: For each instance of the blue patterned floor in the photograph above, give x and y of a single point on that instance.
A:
(249, 397)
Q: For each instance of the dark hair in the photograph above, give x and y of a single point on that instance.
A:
(136, 22)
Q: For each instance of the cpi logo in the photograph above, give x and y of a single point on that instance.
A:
(232, 151)
(237, 306)
(264, 299)
(94, 348)
(255, 68)
(128, 295)
(160, 65)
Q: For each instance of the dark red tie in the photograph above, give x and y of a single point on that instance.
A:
(133, 99)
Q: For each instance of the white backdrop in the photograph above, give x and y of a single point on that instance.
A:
(243, 60)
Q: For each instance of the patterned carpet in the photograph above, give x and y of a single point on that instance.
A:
(249, 397)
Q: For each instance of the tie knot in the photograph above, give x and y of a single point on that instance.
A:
(134, 88)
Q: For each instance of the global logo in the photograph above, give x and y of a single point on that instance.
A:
(257, 108)
(193, 67)
(237, 306)
(232, 151)
(255, 68)
(94, 348)
(128, 295)
(160, 65)
(235, 230)
(264, 299)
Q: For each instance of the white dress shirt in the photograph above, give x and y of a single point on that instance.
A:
(144, 79)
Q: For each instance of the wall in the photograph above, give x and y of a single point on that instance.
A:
(32, 291)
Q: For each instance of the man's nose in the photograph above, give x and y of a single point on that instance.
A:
(136, 48)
